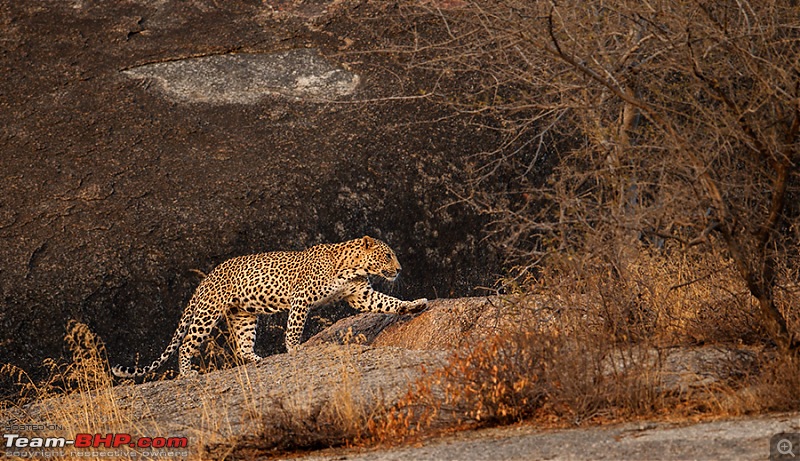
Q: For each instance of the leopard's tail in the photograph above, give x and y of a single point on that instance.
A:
(177, 338)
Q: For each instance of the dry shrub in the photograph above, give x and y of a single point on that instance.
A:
(622, 124)
(770, 384)
(663, 296)
(552, 378)
(691, 297)
(600, 355)
(777, 388)
(563, 380)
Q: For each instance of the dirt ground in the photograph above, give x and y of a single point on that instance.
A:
(740, 439)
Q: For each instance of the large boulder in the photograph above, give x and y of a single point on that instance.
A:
(447, 324)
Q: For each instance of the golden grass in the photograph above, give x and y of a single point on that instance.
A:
(80, 397)
(77, 397)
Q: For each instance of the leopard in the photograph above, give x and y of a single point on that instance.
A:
(242, 288)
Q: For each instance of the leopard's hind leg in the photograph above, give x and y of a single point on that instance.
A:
(243, 328)
(206, 317)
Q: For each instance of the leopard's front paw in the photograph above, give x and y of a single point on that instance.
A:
(416, 306)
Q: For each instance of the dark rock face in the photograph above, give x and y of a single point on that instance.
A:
(113, 192)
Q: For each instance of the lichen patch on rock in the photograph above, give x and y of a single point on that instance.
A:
(249, 78)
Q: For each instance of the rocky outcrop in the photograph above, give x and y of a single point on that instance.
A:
(116, 190)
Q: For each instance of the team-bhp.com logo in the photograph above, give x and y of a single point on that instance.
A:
(16, 441)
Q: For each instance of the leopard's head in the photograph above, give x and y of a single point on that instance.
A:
(378, 259)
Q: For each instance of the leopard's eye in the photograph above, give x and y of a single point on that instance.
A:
(388, 255)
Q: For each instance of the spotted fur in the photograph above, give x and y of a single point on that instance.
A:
(241, 288)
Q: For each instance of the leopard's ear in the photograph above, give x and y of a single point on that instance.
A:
(369, 242)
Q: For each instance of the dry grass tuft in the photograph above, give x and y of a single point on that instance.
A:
(290, 423)
(77, 397)
(88, 369)
(287, 427)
